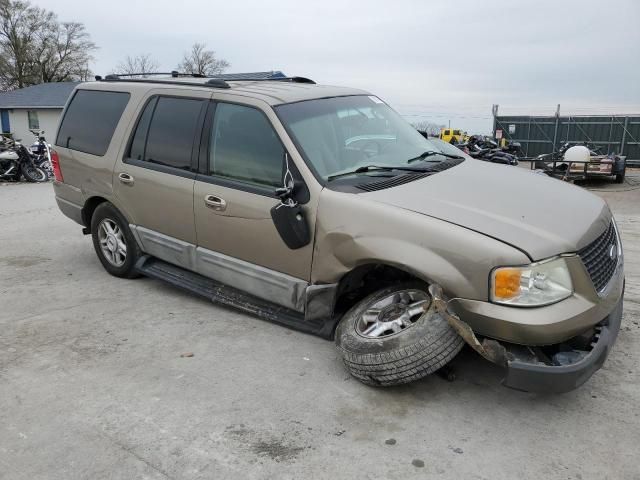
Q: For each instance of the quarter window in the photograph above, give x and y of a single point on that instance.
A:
(245, 147)
(90, 120)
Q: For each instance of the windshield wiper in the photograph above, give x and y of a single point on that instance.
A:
(431, 153)
(372, 168)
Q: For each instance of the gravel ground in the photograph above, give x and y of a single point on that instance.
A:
(95, 383)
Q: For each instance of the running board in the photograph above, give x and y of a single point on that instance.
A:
(223, 294)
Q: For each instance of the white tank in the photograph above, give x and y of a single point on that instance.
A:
(579, 153)
(8, 155)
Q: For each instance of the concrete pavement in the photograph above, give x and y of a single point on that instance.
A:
(93, 384)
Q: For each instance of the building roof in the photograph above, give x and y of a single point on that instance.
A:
(44, 95)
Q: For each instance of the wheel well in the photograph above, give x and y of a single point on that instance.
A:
(363, 281)
(90, 207)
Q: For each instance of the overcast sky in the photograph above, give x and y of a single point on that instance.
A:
(437, 60)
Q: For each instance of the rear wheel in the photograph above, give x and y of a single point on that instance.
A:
(395, 336)
(34, 174)
(113, 241)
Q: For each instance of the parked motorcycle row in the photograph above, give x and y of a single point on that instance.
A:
(485, 148)
(18, 162)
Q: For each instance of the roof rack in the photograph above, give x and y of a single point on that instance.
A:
(274, 79)
(213, 81)
(172, 74)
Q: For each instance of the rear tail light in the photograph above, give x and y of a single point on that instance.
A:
(55, 164)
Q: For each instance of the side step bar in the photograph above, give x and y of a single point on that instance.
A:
(223, 294)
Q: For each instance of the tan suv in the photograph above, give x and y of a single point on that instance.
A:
(320, 208)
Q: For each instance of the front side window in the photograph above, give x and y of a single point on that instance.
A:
(90, 120)
(342, 134)
(245, 147)
(165, 132)
(34, 123)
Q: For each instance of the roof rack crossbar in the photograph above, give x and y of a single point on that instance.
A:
(210, 83)
(274, 79)
(172, 74)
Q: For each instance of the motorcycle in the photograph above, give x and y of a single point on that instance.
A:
(486, 149)
(17, 161)
(41, 152)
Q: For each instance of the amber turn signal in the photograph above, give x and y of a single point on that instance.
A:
(507, 283)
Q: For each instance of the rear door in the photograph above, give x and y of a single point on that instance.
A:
(154, 179)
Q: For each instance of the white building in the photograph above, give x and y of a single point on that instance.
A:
(34, 108)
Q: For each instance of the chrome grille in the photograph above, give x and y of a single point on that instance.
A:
(598, 259)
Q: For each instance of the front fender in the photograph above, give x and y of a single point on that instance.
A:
(353, 231)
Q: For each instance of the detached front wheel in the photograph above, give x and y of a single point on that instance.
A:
(396, 336)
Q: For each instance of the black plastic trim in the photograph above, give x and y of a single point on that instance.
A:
(530, 377)
(158, 167)
(237, 185)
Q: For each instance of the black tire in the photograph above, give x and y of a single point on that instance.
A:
(34, 174)
(413, 353)
(106, 211)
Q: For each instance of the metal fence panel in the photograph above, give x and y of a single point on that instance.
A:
(612, 134)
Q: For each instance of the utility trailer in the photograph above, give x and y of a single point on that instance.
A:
(596, 166)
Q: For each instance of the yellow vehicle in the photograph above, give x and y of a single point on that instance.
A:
(451, 135)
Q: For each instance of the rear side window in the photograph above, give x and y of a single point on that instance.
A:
(166, 131)
(90, 120)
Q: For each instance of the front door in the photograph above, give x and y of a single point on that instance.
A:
(243, 161)
(154, 181)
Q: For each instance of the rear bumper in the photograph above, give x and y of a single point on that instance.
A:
(69, 200)
(531, 375)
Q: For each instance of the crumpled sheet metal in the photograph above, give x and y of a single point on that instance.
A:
(489, 349)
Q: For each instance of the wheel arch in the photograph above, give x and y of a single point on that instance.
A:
(89, 208)
(365, 279)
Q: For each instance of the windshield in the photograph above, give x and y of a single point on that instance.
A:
(341, 134)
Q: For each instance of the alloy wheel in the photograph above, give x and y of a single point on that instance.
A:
(112, 242)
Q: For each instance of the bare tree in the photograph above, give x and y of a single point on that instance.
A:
(64, 52)
(35, 47)
(432, 129)
(143, 63)
(201, 61)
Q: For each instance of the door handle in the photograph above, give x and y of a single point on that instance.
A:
(216, 203)
(125, 178)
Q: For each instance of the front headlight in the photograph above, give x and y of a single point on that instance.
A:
(534, 285)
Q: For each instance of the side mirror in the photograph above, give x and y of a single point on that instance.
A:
(291, 223)
(289, 218)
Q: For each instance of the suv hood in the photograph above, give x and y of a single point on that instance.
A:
(537, 214)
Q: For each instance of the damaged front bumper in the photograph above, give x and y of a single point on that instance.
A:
(553, 369)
